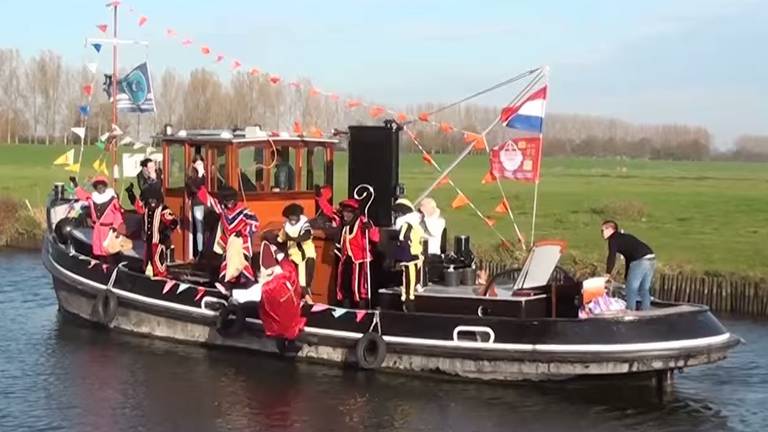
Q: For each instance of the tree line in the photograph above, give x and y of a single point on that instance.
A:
(40, 96)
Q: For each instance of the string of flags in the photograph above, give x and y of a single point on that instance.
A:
(337, 312)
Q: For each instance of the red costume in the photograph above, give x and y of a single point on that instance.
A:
(158, 221)
(238, 220)
(356, 253)
(105, 214)
(280, 306)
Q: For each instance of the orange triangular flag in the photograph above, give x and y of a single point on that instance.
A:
(142, 20)
(376, 111)
(352, 103)
(459, 201)
(401, 117)
(444, 181)
(427, 158)
(476, 139)
(334, 97)
(424, 117)
(490, 221)
(446, 127)
(503, 207)
(489, 178)
(297, 128)
(102, 28)
(313, 92)
(315, 132)
(254, 71)
(205, 50)
(506, 245)
(274, 79)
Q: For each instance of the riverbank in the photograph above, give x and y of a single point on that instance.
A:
(21, 225)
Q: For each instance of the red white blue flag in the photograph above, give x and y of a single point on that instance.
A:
(528, 115)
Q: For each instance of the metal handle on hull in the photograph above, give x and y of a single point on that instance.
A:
(477, 330)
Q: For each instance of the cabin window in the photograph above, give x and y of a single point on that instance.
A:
(284, 174)
(315, 168)
(220, 165)
(252, 168)
(176, 169)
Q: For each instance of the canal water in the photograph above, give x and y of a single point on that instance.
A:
(60, 374)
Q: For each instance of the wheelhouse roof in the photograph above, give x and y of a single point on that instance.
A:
(215, 139)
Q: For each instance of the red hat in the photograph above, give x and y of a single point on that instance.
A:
(350, 203)
(100, 179)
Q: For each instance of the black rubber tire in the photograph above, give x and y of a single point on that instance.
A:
(229, 326)
(370, 351)
(105, 307)
(287, 348)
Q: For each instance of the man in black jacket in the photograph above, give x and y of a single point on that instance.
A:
(639, 260)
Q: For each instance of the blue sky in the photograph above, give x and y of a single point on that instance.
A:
(685, 61)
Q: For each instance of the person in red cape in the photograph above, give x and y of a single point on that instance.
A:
(236, 220)
(280, 306)
(357, 235)
(105, 212)
(159, 221)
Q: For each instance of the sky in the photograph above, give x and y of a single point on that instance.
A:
(698, 62)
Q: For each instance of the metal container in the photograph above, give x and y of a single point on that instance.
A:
(468, 276)
(452, 277)
(58, 191)
(461, 245)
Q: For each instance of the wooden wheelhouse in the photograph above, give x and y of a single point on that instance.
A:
(248, 164)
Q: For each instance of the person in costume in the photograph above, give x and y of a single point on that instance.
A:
(409, 250)
(436, 234)
(296, 237)
(195, 180)
(237, 224)
(353, 274)
(280, 306)
(105, 213)
(159, 222)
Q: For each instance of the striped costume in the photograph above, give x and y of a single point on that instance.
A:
(238, 220)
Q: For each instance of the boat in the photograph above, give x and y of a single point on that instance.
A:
(527, 327)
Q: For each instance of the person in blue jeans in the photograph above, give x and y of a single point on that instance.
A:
(640, 263)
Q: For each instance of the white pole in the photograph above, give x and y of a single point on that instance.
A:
(535, 205)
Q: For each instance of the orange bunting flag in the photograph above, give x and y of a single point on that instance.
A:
(170, 32)
(142, 20)
(334, 97)
(446, 128)
(295, 84)
(503, 207)
(88, 90)
(427, 158)
(424, 117)
(490, 221)
(297, 128)
(476, 139)
(205, 50)
(444, 181)
(352, 103)
(102, 28)
(219, 58)
(236, 64)
(274, 79)
(186, 42)
(459, 201)
(254, 71)
(313, 92)
(489, 178)
(376, 111)
(401, 117)
(315, 132)
(506, 245)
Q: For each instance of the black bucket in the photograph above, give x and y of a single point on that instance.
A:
(468, 276)
(452, 277)
(461, 245)
(58, 192)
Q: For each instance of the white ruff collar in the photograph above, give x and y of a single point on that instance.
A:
(101, 198)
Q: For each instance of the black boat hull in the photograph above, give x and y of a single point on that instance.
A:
(483, 348)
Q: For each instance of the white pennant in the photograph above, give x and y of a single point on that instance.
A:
(92, 67)
(104, 137)
(79, 131)
(126, 140)
(116, 171)
(182, 287)
(116, 131)
(137, 145)
(150, 149)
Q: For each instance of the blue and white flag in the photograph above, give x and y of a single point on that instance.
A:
(134, 91)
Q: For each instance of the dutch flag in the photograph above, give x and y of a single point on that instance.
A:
(528, 115)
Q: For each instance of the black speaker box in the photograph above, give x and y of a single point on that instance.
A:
(374, 160)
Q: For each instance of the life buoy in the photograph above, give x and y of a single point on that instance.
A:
(229, 325)
(370, 351)
(105, 307)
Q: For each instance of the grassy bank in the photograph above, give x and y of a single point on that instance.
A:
(703, 216)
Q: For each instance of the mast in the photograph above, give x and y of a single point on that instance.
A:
(113, 146)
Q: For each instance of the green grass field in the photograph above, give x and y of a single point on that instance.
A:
(702, 215)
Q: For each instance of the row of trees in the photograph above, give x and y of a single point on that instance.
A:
(39, 99)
